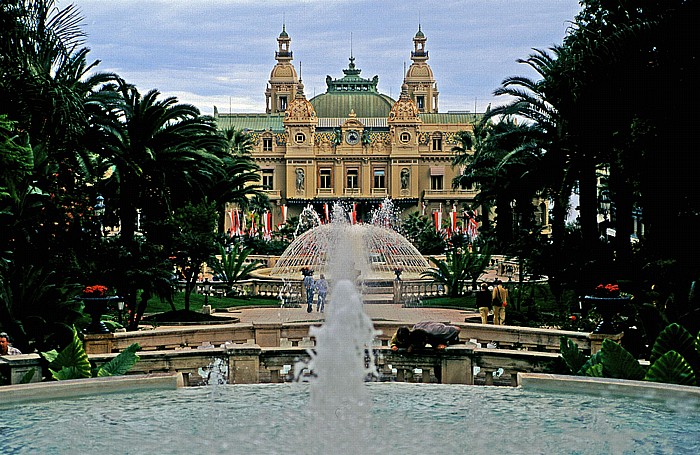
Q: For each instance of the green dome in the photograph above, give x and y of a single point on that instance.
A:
(349, 93)
(339, 105)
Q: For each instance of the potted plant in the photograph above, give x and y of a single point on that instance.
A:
(608, 301)
(95, 302)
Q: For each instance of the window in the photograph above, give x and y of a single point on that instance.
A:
(268, 178)
(299, 138)
(466, 186)
(267, 144)
(437, 144)
(283, 103)
(325, 178)
(352, 179)
(405, 137)
(379, 180)
(420, 101)
(436, 182)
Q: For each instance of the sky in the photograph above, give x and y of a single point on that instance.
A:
(221, 52)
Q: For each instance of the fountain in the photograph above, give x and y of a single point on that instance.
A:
(338, 411)
(383, 249)
(343, 358)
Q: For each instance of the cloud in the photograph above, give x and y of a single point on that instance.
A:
(210, 52)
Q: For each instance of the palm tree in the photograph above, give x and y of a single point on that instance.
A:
(233, 265)
(538, 101)
(165, 154)
(459, 268)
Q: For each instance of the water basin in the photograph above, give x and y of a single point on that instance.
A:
(402, 418)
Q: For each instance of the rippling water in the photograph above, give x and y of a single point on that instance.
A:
(404, 418)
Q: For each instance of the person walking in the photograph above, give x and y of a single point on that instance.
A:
(5, 348)
(309, 287)
(483, 302)
(499, 300)
(322, 289)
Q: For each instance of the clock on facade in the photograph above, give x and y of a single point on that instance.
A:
(352, 137)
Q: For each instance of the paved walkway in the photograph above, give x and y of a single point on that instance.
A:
(378, 312)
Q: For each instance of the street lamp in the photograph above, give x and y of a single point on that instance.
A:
(100, 212)
(120, 310)
(206, 287)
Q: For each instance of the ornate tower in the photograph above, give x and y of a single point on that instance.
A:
(404, 123)
(281, 88)
(300, 123)
(422, 88)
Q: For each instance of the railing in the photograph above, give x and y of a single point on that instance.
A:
(269, 352)
(429, 194)
(297, 334)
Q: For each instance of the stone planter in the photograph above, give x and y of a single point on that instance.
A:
(96, 307)
(608, 308)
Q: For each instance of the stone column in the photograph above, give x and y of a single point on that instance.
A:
(458, 365)
(244, 365)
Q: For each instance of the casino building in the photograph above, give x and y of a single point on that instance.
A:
(354, 143)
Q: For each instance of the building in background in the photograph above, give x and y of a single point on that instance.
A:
(353, 143)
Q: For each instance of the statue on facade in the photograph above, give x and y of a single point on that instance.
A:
(300, 179)
(405, 175)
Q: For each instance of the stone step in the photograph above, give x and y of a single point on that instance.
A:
(378, 298)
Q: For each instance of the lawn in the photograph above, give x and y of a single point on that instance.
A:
(197, 301)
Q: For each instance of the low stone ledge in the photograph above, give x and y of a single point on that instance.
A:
(687, 396)
(84, 387)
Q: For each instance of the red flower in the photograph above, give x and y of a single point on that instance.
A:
(95, 291)
(607, 290)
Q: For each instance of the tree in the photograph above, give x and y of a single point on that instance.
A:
(193, 241)
(420, 230)
(164, 153)
(459, 268)
(232, 265)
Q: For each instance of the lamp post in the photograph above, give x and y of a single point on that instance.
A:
(100, 212)
(120, 310)
(206, 287)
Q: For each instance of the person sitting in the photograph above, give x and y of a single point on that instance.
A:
(436, 334)
(5, 348)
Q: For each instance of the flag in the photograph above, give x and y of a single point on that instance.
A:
(422, 210)
(472, 225)
(325, 212)
(353, 215)
(453, 219)
(437, 219)
(284, 213)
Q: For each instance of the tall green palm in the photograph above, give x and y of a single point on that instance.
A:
(501, 179)
(541, 103)
(459, 268)
(165, 153)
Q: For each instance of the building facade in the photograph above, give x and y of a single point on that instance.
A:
(353, 143)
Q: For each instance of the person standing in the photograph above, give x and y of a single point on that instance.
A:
(309, 287)
(483, 302)
(499, 301)
(322, 289)
(5, 348)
